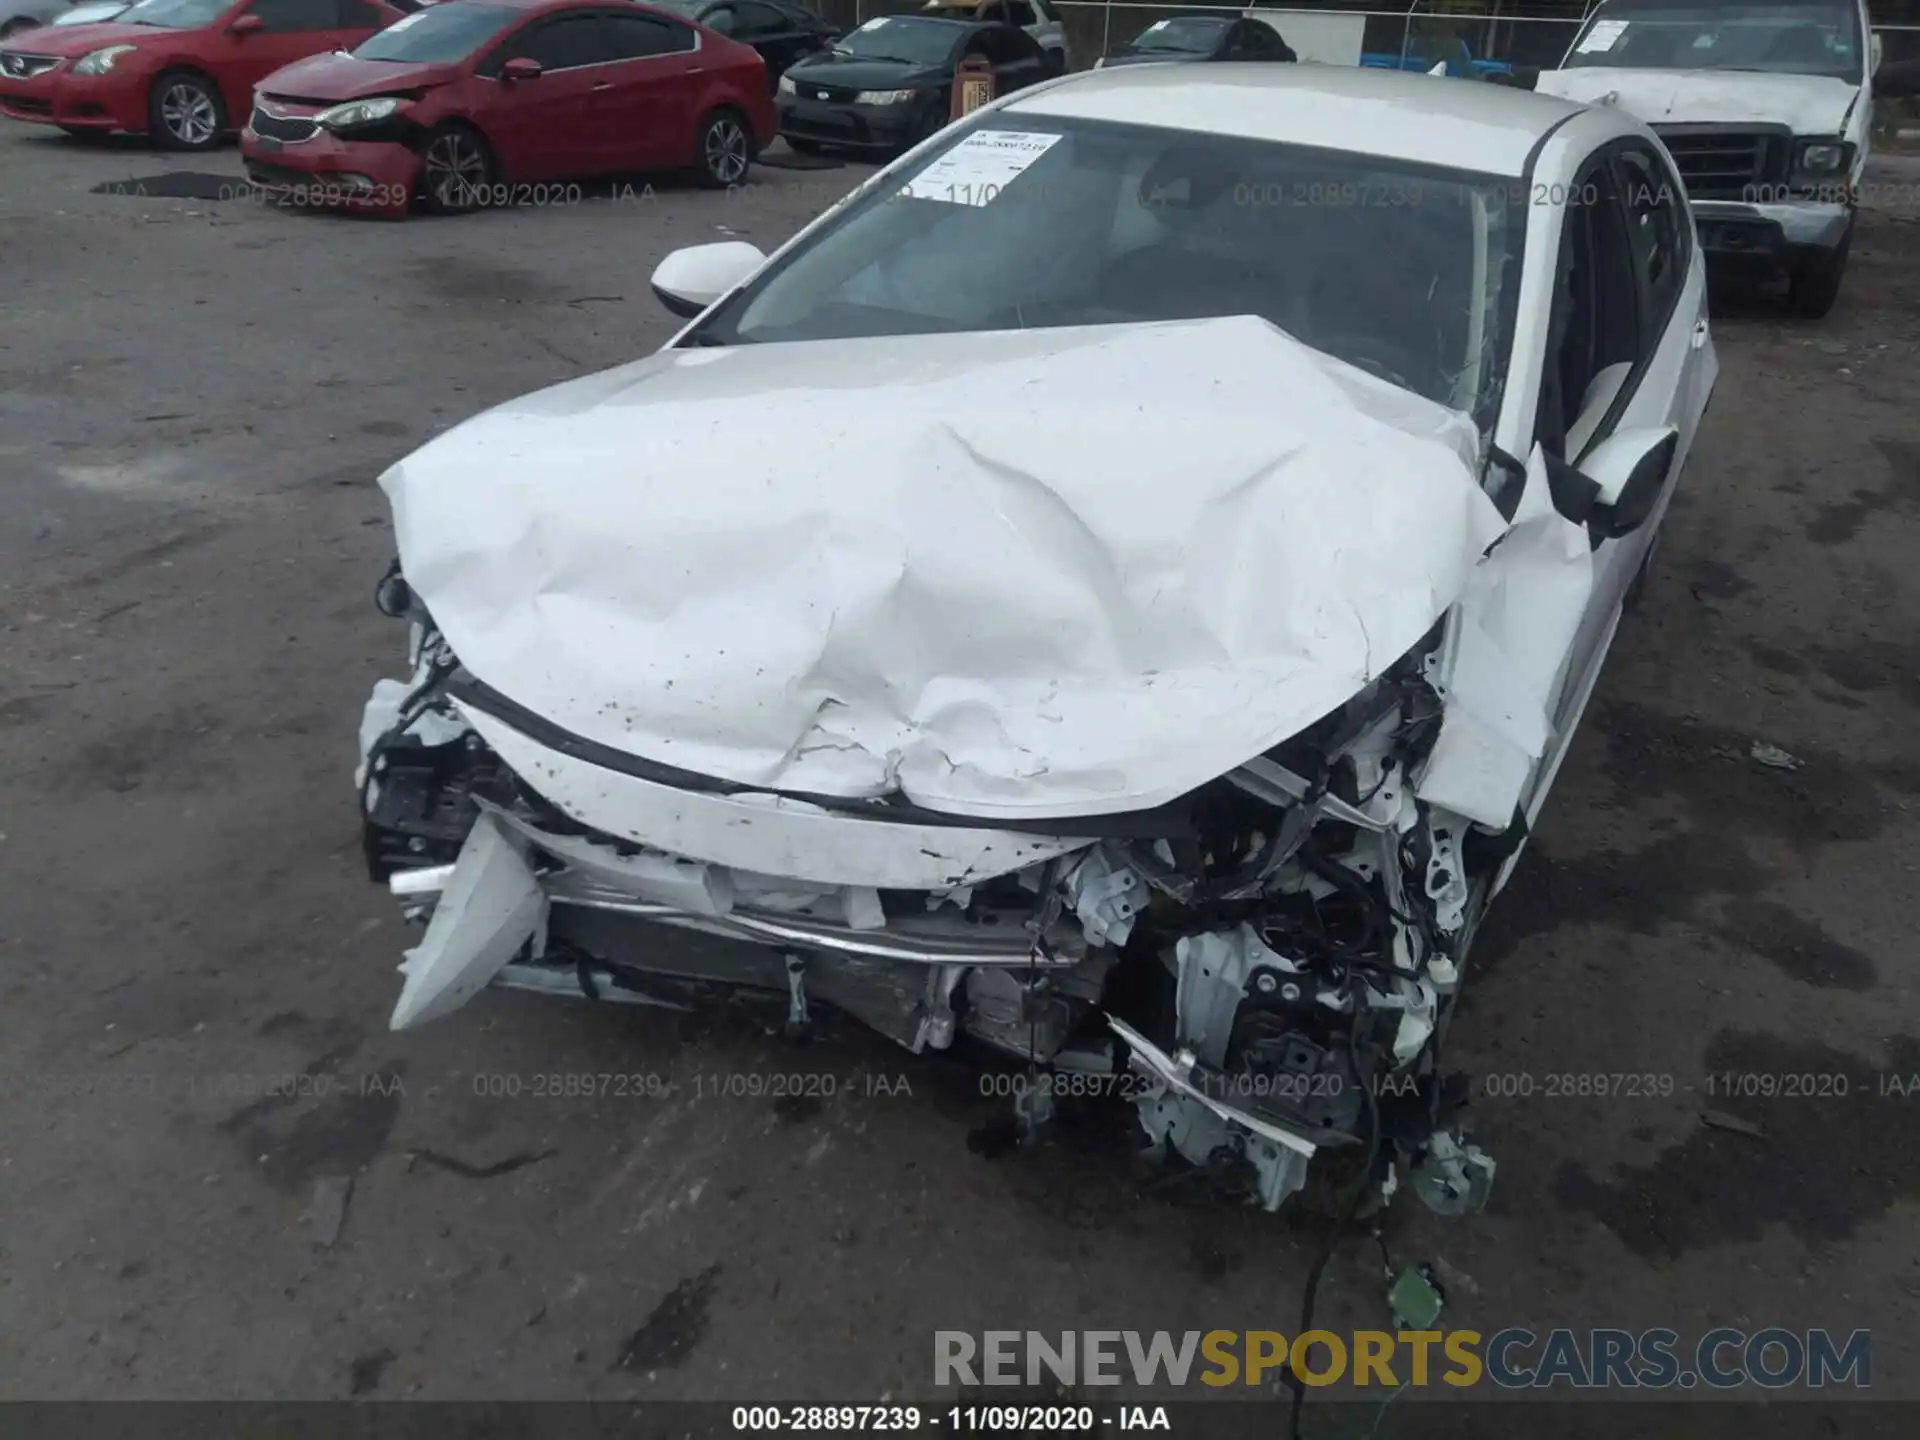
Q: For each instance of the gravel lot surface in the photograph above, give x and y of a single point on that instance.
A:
(195, 400)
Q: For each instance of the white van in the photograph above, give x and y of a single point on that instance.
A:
(1766, 108)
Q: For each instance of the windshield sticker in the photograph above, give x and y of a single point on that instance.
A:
(1156, 27)
(875, 24)
(1602, 36)
(975, 171)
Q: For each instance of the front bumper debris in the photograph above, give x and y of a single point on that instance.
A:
(1270, 961)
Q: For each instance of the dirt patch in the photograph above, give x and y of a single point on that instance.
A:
(344, 1131)
(1840, 521)
(1829, 1157)
(674, 1327)
(1707, 767)
(1799, 946)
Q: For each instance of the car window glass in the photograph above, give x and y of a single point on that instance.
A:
(563, 44)
(908, 39)
(720, 18)
(1805, 37)
(1385, 265)
(360, 15)
(1257, 42)
(174, 14)
(755, 22)
(1018, 12)
(287, 17)
(634, 37)
(438, 33)
(1657, 221)
(1594, 319)
(1185, 34)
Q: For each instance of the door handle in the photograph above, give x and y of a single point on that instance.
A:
(603, 85)
(1699, 334)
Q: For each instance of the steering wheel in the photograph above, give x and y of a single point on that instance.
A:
(1375, 354)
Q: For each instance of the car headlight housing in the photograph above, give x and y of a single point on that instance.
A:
(786, 86)
(357, 113)
(99, 62)
(884, 97)
(1822, 157)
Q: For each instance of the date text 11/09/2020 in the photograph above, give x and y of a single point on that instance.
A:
(954, 1419)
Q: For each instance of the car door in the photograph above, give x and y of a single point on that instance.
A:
(289, 30)
(1627, 349)
(552, 126)
(1016, 57)
(1681, 364)
(648, 109)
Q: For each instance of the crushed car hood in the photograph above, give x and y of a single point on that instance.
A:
(340, 77)
(1021, 574)
(1810, 104)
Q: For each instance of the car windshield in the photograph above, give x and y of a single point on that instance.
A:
(1194, 36)
(901, 37)
(88, 14)
(439, 34)
(689, 8)
(175, 14)
(1021, 222)
(1799, 37)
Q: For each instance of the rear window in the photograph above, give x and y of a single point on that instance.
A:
(440, 34)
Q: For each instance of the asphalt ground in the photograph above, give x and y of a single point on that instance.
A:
(195, 976)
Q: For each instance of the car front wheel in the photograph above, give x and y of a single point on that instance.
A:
(456, 171)
(726, 149)
(184, 112)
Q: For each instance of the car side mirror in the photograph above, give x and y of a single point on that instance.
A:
(245, 25)
(691, 279)
(521, 67)
(1628, 471)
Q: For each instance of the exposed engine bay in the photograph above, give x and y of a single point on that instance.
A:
(1271, 958)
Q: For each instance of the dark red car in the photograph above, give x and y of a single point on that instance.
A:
(479, 102)
(179, 71)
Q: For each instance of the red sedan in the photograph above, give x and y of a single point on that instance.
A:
(484, 102)
(174, 70)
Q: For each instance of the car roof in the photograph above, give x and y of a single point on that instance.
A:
(1419, 119)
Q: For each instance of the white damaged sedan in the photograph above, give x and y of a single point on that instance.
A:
(1116, 588)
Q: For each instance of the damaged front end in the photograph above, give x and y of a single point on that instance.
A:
(1268, 961)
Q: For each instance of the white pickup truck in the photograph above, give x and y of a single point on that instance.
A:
(1765, 106)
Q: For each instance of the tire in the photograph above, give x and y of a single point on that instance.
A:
(1816, 283)
(185, 112)
(457, 170)
(725, 148)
